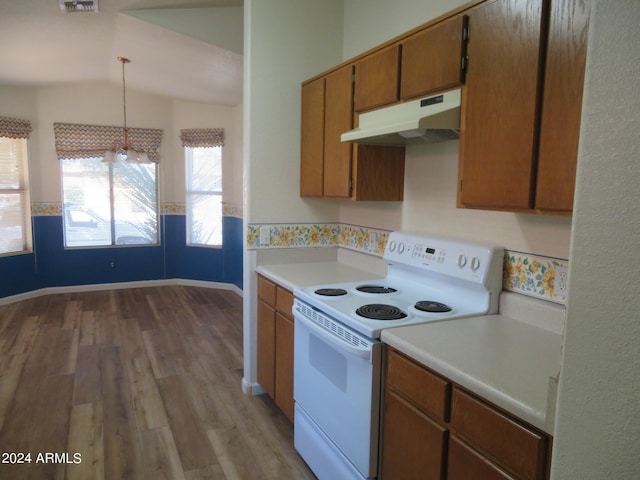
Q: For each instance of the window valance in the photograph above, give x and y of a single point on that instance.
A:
(84, 141)
(14, 128)
(202, 137)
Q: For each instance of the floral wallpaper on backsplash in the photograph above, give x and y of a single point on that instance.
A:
(534, 275)
(362, 239)
(528, 274)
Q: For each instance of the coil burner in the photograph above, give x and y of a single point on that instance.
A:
(432, 307)
(378, 311)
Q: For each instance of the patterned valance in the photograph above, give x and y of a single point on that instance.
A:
(202, 137)
(14, 127)
(85, 141)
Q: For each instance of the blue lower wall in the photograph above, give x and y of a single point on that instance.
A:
(51, 265)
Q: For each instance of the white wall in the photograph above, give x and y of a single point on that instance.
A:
(597, 432)
(287, 41)
(431, 170)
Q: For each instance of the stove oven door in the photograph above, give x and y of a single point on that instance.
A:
(337, 394)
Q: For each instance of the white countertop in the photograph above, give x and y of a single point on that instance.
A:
(296, 275)
(513, 364)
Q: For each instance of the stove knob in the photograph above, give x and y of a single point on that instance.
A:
(462, 260)
(475, 263)
(400, 248)
(392, 246)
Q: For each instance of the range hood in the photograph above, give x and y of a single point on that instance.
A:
(427, 120)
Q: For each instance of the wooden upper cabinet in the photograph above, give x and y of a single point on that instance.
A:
(500, 105)
(338, 118)
(562, 105)
(377, 79)
(432, 60)
(332, 168)
(312, 139)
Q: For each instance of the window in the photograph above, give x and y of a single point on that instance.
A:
(203, 161)
(108, 203)
(15, 204)
(204, 195)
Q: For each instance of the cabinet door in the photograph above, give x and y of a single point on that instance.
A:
(465, 463)
(432, 59)
(413, 445)
(312, 139)
(338, 119)
(500, 105)
(377, 79)
(562, 105)
(284, 365)
(266, 347)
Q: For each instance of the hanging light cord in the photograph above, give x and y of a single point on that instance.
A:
(124, 102)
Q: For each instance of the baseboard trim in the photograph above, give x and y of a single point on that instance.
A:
(118, 286)
(251, 388)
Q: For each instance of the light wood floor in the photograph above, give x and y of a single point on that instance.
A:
(142, 383)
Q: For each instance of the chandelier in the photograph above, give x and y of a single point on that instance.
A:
(124, 150)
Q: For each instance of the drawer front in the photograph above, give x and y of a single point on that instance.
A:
(284, 302)
(428, 391)
(267, 291)
(511, 444)
(465, 463)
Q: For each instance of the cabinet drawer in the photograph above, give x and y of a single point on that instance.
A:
(518, 448)
(267, 291)
(284, 302)
(428, 391)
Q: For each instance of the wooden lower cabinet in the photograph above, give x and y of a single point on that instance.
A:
(414, 444)
(465, 463)
(517, 447)
(435, 429)
(275, 343)
(266, 347)
(284, 365)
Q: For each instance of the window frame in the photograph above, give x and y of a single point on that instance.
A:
(191, 193)
(24, 191)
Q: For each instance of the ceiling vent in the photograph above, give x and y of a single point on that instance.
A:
(72, 6)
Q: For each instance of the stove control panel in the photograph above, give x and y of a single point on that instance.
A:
(465, 260)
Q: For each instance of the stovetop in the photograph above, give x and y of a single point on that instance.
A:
(429, 279)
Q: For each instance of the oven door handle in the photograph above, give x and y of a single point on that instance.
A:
(333, 339)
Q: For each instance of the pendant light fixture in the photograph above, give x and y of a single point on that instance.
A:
(123, 150)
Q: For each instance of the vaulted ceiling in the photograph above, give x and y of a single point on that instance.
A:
(187, 49)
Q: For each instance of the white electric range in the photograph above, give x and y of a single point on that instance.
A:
(337, 352)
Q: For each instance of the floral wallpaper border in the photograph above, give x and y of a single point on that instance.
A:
(166, 208)
(362, 239)
(525, 273)
(533, 275)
